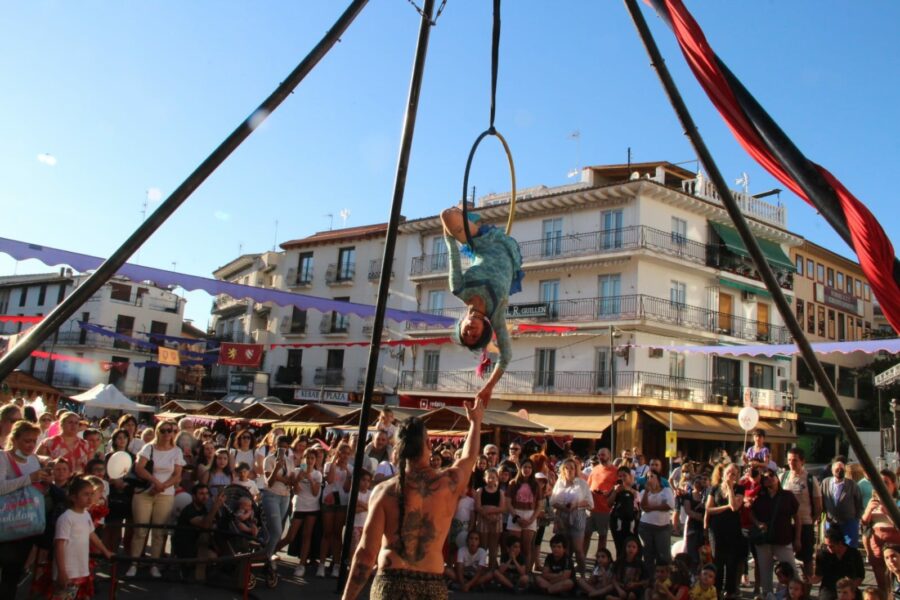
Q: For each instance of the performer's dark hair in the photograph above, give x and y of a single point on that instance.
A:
(412, 444)
(482, 341)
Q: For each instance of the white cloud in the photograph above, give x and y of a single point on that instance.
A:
(221, 215)
(154, 194)
(47, 159)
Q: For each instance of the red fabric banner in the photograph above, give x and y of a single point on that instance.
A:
(240, 355)
(529, 328)
(19, 319)
(873, 248)
(62, 357)
(410, 342)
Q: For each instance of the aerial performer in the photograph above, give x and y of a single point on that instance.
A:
(485, 287)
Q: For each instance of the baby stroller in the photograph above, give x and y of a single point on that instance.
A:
(230, 540)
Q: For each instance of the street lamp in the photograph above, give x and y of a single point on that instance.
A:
(613, 334)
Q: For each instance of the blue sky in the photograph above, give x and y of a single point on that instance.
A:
(130, 97)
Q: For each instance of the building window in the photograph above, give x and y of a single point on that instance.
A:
(610, 300)
(678, 293)
(867, 292)
(120, 292)
(762, 322)
(820, 273)
(859, 329)
(679, 231)
(851, 331)
(432, 367)
(810, 317)
(438, 254)
(346, 263)
(846, 383)
(829, 372)
(829, 278)
(840, 281)
(831, 327)
(858, 288)
(799, 264)
(849, 288)
(820, 316)
(800, 313)
(868, 330)
(676, 365)
(124, 326)
(298, 320)
(544, 368)
(762, 376)
(841, 330)
(549, 294)
(23, 296)
(305, 268)
(804, 375)
(603, 369)
(340, 323)
(551, 237)
(612, 229)
(42, 294)
(809, 268)
(435, 301)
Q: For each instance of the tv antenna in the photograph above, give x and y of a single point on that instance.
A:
(331, 222)
(576, 135)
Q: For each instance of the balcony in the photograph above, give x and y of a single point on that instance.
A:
(291, 326)
(302, 279)
(329, 377)
(651, 309)
(750, 206)
(722, 259)
(226, 305)
(375, 270)
(66, 380)
(361, 380)
(94, 340)
(340, 274)
(236, 337)
(289, 375)
(334, 323)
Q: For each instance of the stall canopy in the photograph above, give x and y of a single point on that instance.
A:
(453, 418)
(724, 428)
(267, 410)
(584, 423)
(187, 407)
(108, 397)
(319, 413)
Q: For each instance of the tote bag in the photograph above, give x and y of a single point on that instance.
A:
(22, 511)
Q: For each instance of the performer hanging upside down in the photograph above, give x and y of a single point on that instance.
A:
(485, 287)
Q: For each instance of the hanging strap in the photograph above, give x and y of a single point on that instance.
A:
(491, 130)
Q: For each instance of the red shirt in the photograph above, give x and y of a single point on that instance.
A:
(602, 479)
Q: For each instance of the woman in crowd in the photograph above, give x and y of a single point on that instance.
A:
(9, 414)
(120, 498)
(570, 499)
(655, 526)
(490, 506)
(130, 424)
(45, 420)
(723, 506)
(244, 451)
(154, 505)
(306, 510)
(205, 459)
(334, 507)
(67, 444)
(694, 508)
(219, 475)
(19, 467)
(524, 496)
(883, 531)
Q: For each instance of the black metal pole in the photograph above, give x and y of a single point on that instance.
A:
(80, 295)
(765, 271)
(390, 242)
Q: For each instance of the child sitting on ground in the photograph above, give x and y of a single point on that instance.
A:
(556, 576)
(631, 578)
(705, 589)
(471, 565)
(602, 581)
(784, 573)
(799, 590)
(512, 574)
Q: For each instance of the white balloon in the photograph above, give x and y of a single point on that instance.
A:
(748, 418)
(119, 464)
(678, 547)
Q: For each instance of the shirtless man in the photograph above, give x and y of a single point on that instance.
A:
(409, 517)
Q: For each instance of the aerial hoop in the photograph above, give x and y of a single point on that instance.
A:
(491, 130)
(512, 176)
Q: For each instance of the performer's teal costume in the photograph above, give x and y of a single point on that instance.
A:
(495, 274)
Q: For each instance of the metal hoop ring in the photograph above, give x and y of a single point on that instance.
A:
(512, 175)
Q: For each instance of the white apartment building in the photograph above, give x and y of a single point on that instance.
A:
(123, 306)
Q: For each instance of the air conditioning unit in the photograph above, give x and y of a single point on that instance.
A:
(655, 352)
(748, 296)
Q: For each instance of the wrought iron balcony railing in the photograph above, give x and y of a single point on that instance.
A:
(329, 377)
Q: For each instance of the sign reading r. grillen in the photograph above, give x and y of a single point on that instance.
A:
(528, 311)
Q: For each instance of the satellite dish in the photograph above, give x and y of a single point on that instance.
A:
(748, 418)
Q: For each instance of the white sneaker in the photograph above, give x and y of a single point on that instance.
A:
(336, 570)
(320, 572)
(132, 571)
(154, 572)
(300, 571)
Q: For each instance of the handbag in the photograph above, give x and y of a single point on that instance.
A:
(756, 534)
(135, 481)
(22, 512)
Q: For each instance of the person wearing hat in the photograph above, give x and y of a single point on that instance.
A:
(485, 287)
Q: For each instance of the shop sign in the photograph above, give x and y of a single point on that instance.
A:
(535, 310)
(241, 383)
(313, 395)
(838, 299)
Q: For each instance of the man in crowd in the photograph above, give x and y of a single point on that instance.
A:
(409, 517)
(842, 501)
(195, 523)
(835, 561)
(806, 490)
(640, 464)
(493, 455)
(515, 453)
(601, 481)
(378, 449)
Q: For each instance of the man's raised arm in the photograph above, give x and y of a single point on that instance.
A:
(472, 448)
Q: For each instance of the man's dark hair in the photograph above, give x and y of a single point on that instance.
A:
(560, 539)
(283, 439)
(759, 432)
(839, 458)
(198, 487)
(88, 432)
(835, 535)
(798, 452)
(411, 446)
(93, 463)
